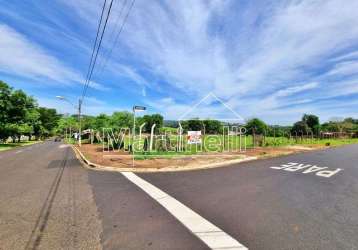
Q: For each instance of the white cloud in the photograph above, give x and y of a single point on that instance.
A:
(21, 57)
(92, 105)
(180, 44)
(296, 89)
(345, 68)
(250, 53)
(128, 72)
(348, 56)
(98, 86)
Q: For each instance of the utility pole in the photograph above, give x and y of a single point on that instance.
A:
(133, 133)
(79, 122)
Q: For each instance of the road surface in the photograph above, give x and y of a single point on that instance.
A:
(302, 201)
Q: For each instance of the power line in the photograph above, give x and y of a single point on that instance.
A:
(95, 58)
(117, 22)
(116, 39)
(95, 42)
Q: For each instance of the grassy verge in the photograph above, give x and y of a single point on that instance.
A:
(75, 141)
(282, 141)
(160, 155)
(7, 146)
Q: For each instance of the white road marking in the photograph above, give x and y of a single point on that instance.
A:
(308, 168)
(63, 146)
(210, 234)
(19, 151)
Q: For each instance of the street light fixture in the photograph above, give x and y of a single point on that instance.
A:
(78, 108)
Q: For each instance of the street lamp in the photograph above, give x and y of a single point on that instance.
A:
(78, 108)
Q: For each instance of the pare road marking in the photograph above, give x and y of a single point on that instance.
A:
(308, 169)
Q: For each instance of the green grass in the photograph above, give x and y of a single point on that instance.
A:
(283, 141)
(159, 155)
(168, 130)
(7, 146)
(74, 141)
(338, 142)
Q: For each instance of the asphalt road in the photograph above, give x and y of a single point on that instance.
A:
(267, 208)
(45, 200)
(48, 201)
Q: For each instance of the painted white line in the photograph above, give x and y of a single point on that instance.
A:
(210, 234)
(19, 151)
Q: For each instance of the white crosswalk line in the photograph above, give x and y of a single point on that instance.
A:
(210, 234)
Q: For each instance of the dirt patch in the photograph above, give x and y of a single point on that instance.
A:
(123, 160)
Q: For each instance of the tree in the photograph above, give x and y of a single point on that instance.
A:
(152, 119)
(67, 124)
(193, 125)
(20, 114)
(278, 131)
(340, 126)
(171, 123)
(5, 103)
(121, 120)
(49, 121)
(256, 125)
(350, 120)
(102, 121)
(312, 122)
(300, 128)
(330, 127)
(87, 122)
(212, 126)
(33, 121)
(19, 103)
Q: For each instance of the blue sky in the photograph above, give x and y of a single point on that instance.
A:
(270, 59)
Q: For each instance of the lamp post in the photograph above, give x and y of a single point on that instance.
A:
(78, 108)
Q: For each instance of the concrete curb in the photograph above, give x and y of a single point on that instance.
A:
(90, 165)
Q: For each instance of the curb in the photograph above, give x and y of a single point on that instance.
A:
(90, 165)
(93, 166)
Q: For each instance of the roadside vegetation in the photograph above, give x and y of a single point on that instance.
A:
(22, 120)
(6, 146)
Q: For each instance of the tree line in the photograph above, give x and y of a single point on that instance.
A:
(20, 115)
(116, 121)
(309, 124)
